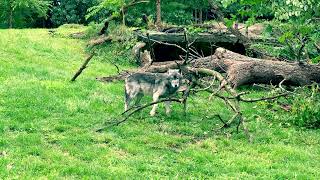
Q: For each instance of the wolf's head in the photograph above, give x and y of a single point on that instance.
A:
(174, 77)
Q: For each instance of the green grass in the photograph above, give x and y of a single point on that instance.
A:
(47, 125)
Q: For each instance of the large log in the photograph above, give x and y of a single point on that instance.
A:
(179, 37)
(241, 70)
(216, 36)
(246, 70)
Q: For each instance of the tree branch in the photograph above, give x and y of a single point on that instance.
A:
(137, 109)
(84, 66)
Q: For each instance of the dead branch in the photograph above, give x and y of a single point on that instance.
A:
(164, 43)
(264, 98)
(118, 77)
(136, 109)
(100, 40)
(225, 125)
(84, 66)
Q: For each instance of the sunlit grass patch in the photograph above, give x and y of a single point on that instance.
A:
(47, 124)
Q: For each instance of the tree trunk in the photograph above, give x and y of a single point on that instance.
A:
(123, 16)
(196, 16)
(10, 16)
(243, 70)
(200, 17)
(158, 4)
(213, 37)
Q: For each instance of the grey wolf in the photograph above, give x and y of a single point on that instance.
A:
(157, 85)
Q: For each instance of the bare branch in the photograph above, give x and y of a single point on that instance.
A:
(84, 66)
(264, 98)
(165, 43)
(137, 109)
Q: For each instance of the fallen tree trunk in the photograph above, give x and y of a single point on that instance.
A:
(212, 37)
(241, 70)
(246, 70)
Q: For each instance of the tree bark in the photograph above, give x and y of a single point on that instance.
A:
(123, 16)
(158, 21)
(200, 17)
(243, 70)
(196, 16)
(10, 16)
(213, 37)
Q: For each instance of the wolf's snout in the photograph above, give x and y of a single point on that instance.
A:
(175, 83)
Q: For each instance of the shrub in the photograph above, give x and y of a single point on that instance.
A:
(71, 11)
(306, 109)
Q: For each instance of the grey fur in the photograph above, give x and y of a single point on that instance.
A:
(157, 85)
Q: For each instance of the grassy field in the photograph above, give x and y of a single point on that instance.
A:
(47, 125)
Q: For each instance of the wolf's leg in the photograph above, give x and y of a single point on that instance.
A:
(138, 99)
(127, 100)
(129, 95)
(155, 98)
(167, 105)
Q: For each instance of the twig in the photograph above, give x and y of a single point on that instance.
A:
(280, 84)
(205, 88)
(190, 44)
(196, 53)
(164, 43)
(225, 125)
(264, 98)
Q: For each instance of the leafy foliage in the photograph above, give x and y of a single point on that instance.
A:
(294, 24)
(110, 6)
(306, 109)
(298, 40)
(22, 13)
(71, 11)
(289, 9)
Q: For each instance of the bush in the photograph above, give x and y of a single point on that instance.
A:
(71, 11)
(306, 109)
(119, 51)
